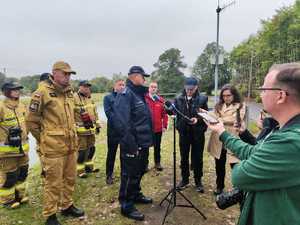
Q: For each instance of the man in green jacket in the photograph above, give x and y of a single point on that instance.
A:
(270, 170)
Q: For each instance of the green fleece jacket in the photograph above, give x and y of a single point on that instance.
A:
(270, 174)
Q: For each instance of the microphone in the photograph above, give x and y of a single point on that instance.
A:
(156, 98)
(171, 107)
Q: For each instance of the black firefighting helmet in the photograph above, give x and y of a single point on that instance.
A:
(11, 85)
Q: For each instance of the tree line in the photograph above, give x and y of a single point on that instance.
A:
(278, 41)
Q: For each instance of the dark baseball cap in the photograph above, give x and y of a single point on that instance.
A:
(190, 82)
(85, 83)
(11, 85)
(138, 69)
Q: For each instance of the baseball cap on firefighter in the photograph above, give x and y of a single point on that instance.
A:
(63, 66)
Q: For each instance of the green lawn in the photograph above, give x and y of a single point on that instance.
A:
(101, 201)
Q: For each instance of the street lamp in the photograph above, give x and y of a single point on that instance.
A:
(219, 10)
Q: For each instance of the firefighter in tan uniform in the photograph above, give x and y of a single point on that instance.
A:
(51, 121)
(87, 124)
(14, 148)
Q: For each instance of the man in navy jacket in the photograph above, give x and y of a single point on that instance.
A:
(113, 139)
(133, 124)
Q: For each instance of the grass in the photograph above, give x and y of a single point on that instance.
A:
(101, 204)
(100, 201)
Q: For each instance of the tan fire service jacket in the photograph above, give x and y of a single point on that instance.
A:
(12, 114)
(89, 106)
(51, 119)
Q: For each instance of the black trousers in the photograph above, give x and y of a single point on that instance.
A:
(195, 143)
(112, 144)
(220, 166)
(133, 168)
(157, 149)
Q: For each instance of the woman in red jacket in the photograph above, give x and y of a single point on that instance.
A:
(159, 120)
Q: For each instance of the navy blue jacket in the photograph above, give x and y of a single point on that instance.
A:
(133, 118)
(108, 103)
(190, 110)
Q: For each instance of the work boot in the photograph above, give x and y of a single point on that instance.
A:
(143, 199)
(199, 187)
(109, 180)
(91, 169)
(83, 175)
(73, 212)
(24, 200)
(52, 220)
(12, 204)
(158, 167)
(182, 185)
(133, 214)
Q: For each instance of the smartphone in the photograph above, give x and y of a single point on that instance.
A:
(208, 117)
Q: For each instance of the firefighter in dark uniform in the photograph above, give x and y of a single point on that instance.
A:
(133, 122)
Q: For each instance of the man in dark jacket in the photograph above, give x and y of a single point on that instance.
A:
(113, 139)
(133, 122)
(191, 133)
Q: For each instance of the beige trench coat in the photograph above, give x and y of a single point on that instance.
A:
(227, 115)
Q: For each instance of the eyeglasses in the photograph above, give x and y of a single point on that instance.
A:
(271, 89)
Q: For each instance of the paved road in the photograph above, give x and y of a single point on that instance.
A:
(254, 110)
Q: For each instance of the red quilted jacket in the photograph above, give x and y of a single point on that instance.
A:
(158, 113)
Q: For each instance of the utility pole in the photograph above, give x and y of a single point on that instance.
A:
(219, 10)
(250, 76)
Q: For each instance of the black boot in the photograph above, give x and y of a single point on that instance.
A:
(142, 199)
(109, 180)
(73, 212)
(52, 220)
(182, 185)
(158, 167)
(218, 191)
(199, 186)
(133, 214)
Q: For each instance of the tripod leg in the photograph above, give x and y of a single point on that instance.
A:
(166, 197)
(167, 210)
(193, 206)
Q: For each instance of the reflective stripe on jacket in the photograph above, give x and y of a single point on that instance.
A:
(88, 105)
(12, 115)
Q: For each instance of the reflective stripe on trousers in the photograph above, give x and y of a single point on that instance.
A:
(9, 149)
(7, 194)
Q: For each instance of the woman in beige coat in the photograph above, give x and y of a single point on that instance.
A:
(231, 111)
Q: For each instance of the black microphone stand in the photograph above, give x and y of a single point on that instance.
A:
(171, 197)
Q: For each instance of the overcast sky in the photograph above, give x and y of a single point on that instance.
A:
(102, 37)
